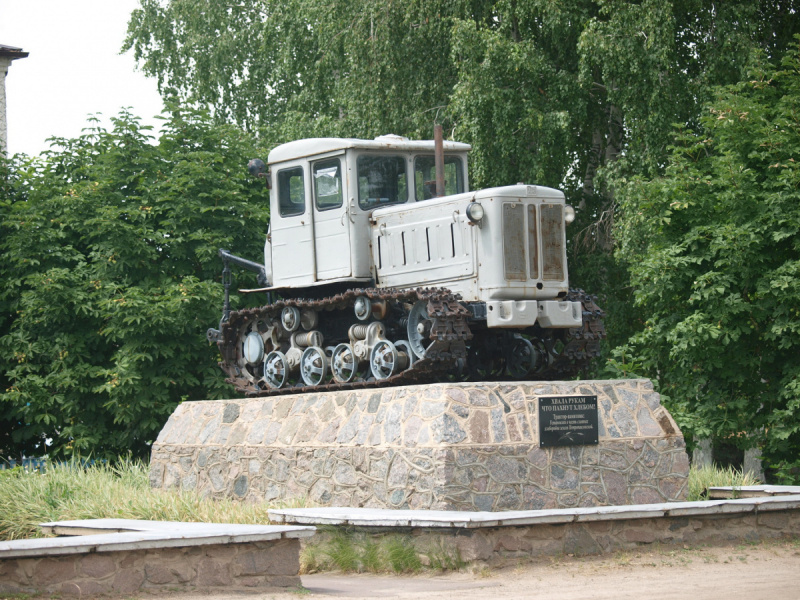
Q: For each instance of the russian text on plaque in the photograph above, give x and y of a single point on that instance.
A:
(567, 421)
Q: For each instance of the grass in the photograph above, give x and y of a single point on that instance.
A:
(444, 558)
(74, 492)
(402, 555)
(349, 552)
(300, 591)
(702, 479)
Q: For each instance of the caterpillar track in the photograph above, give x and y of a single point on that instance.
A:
(451, 345)
(580, 345)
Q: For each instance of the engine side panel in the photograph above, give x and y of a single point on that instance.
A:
(426, 244)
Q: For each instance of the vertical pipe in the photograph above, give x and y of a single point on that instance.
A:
(439, 159)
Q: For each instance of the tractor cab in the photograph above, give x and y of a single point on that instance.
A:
(323, 191)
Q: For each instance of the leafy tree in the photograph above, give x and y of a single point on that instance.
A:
(572, 95)
(714, 253)
(110, 279)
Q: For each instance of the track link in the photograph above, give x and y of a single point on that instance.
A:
(581, 345)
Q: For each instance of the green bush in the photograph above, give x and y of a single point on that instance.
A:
(109, 279)
(714, 251)
(702, 479)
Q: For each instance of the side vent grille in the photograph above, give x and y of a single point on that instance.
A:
(533, 242)
(552, 242)
(514, 242)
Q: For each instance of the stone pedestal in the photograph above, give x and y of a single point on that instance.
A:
(460, 446)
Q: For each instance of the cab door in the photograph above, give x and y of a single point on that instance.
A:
(292, 227)
(331, 219)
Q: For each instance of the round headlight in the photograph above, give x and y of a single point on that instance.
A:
(569, 214)
(474, 212)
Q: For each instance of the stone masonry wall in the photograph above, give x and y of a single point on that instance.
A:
(254, 566)
(445, 446)
(500, 545)
(510, 544)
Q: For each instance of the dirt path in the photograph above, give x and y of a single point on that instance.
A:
(770, 571)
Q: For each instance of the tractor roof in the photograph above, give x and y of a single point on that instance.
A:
(312, 146)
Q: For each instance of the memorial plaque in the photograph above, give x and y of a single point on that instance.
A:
(567, 421)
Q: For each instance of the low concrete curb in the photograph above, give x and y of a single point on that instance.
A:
(753, 491)
(496, 537)
(371, 517)
(122, 556)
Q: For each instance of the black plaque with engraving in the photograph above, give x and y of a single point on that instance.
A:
(567, 421)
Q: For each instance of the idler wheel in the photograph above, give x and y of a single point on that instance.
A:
(276, 369)
(313, 366)
(253, 348)
(309, 318)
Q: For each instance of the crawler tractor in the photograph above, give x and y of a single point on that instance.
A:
(382, 268)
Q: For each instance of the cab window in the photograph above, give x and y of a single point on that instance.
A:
(382, 180)
(425, 177)
(328, 184)
(291, 192)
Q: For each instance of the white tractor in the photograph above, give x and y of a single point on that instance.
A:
(381, 267)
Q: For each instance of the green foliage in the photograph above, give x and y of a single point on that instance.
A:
(344, 550)
(73, 491)
(714, 252)
(109, 243)
(703, 478)
(111, 277)
(402, 555)
(445, 557)
(577, 95)
(542, 89)
(371, 556)
(787, 472)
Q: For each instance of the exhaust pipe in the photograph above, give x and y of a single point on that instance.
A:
(438, 150)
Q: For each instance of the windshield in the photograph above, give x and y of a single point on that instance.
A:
(425, 177)
(382, 180)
